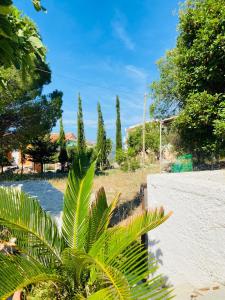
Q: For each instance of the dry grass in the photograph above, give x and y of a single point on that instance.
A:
(115, 181)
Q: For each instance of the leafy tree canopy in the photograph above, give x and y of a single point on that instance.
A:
(42, 150)
(101, 146)
(192, 76)
(20, 42)
(81, 143)
(135, 140)
(24, 112)
(119, 145)
(63, 156)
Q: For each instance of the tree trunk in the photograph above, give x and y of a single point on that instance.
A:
(42, 168)
(22, 167)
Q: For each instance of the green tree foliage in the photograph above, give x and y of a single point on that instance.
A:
(165, 91)
(192, 77)
(128, 160)
(42, 150)
(205, 131)
(119, 145)
(63, 156)
(135, 138)
(23, 117)
(101, 146)
(87, 259)
(24, 111)
(20, 43)
(81, 143)
(3, 159)
(108, 146)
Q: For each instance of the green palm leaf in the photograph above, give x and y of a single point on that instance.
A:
(108, 276)
(117, 248)
(77, 204)
(120, 237)
(36, 232)
(105, 294)
(99, 217)
(136, 264)
(17, 272)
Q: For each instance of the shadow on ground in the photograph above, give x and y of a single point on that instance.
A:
(49, 197)
(125, 210)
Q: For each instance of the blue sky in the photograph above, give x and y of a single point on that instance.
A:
(103, 49)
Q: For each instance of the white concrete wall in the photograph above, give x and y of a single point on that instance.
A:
(190, 246)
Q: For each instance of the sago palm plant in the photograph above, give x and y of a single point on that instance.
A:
(86, 258)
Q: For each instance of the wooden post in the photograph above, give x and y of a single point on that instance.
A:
(160, 145)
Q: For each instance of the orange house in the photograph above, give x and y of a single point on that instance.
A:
(16, 157)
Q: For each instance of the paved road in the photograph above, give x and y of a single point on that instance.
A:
(50, 198)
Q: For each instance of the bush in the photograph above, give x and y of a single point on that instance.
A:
(128, 160)
(134, 165)
(121, 156)
(135, 139)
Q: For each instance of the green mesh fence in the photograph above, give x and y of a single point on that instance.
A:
(184, 163)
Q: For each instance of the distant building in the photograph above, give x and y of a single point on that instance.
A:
(164, 122)
(71, 139)
(15, 156)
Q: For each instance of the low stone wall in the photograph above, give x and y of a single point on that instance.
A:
(190, 246)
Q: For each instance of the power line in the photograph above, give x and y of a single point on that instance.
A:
(125, 92)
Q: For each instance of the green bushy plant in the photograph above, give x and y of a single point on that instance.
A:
(135, 138)
(128, 160)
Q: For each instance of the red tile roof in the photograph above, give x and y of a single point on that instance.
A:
(69, 137)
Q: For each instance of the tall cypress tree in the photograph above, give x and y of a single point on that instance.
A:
(101, 140)
(118, 126)
(81, 143)
(63, 157)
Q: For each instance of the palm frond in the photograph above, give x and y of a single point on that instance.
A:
(104, 293)
(118, 248)
(120, 237)
(17, 272)
(109, 276)
(99, 217)
(138, 266)
(77, 204)
(36, 232)
(152, 289)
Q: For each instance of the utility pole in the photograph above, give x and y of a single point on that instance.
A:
(160, 145)
(143, 131)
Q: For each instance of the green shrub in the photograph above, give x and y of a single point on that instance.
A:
(128, 160)
(134, 164)
(121, 156)
(135, 138)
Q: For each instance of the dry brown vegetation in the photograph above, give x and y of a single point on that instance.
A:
(116, 181)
